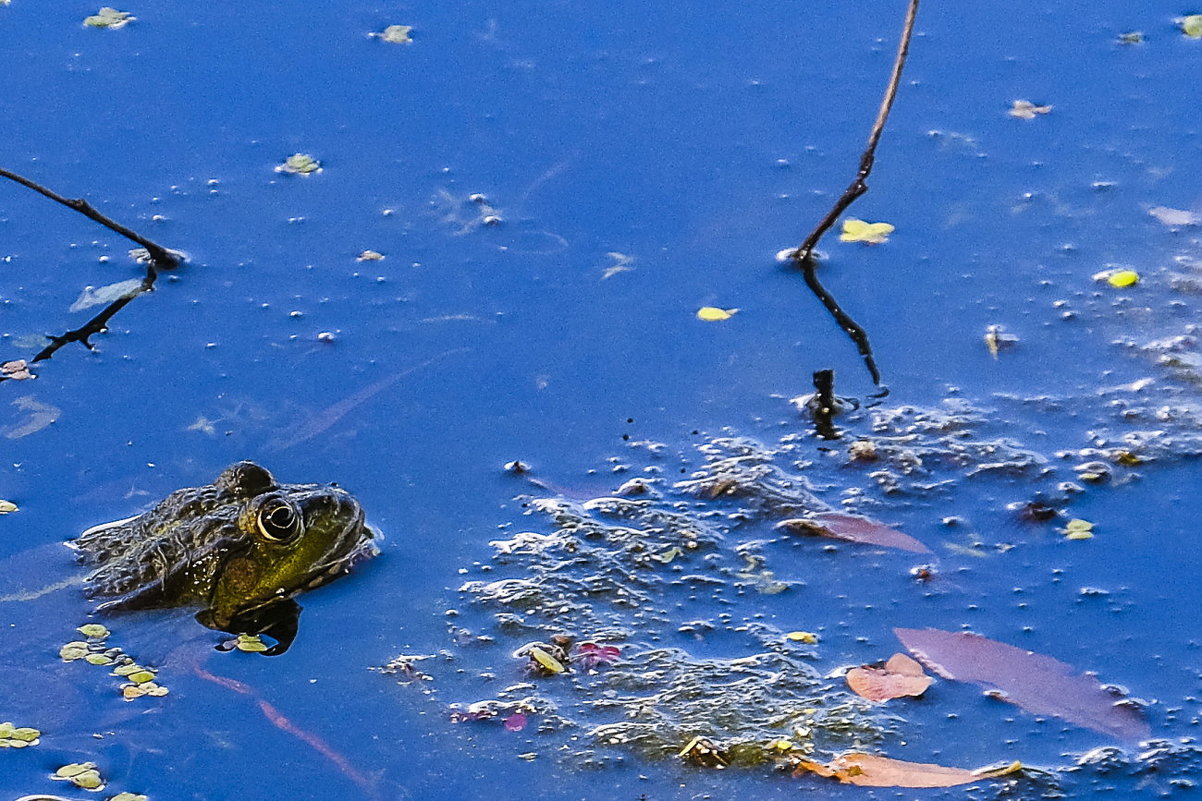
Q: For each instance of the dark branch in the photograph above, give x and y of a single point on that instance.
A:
(804, 255)
(98, 323)
(160, 257)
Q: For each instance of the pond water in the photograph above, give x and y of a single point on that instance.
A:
(556, 189)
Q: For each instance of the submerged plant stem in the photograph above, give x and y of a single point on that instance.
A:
(804, 255)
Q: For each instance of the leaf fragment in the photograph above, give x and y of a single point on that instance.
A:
(712, 314)
(807, 637)
(126, 796)
(870, 233)
(1191, 26)
(7, 507)
(1026, 110)
(109, 18)
(867, 770)
(900, 676)
(370, 255)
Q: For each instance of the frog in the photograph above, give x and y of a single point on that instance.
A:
(239, 550)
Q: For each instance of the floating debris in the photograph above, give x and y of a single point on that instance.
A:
(109, 18)
(1026, 110)
(82, 774)
(869, 233)
(299, 164)
(396, 34)
(713, 314)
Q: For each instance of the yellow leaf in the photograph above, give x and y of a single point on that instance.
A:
(712, 314)
(546, 661)
(1191, 26)
(6, 507)
(809, 638)
(859, 231)
(1123, 278)
(1078, 529)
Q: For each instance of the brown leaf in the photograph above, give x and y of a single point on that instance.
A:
(1037, 683)
(900, 676)
(867, 770)
(853, 528)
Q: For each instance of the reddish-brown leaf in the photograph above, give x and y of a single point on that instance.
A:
(853, 528)
(1037, 683)
(867, 770)
(900, 676)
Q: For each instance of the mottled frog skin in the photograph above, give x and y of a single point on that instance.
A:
(240, 548)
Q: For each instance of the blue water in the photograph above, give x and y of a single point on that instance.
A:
(694, 143)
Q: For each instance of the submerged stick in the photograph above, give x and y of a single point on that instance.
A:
(824, 404)
(158, 257)
(804, 255)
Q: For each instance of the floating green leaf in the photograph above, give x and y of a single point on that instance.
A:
(869, 233)
(299, 164)
(397, 34)
(250, 643)
(74, 650)
(17, 736)
(128, 797)
(81, 774)
(1191, 26)
(94, 631)
(109, 18)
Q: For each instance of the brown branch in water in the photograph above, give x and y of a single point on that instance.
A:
(804, 255)
(159, 257)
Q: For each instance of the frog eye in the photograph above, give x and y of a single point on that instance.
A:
(279, 522)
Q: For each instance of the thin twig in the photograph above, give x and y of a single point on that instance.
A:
(160, 256)
(804, 255)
